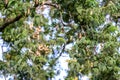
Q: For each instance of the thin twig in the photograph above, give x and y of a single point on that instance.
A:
(63, 48)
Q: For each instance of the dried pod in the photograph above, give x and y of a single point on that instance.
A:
(37, 53)
(38, 29)
(79, 35)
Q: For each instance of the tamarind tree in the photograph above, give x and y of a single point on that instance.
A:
(91, 26)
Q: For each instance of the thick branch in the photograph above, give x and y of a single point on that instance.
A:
(17, 18)
(51, 4)
(7, 23)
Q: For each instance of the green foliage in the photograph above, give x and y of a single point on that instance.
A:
(77, 21)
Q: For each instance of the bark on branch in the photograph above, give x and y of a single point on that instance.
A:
(17, 18)
(51, 4)
(7, 23)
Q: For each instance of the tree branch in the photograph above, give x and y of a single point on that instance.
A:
(63, 48)
(60, 53)
(51, 4)
(17, 18)
(7, 23)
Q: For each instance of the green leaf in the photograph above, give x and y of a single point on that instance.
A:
(60, 40)
(11, 3)
(112, 29)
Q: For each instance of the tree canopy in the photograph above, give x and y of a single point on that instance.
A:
(91, 26)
